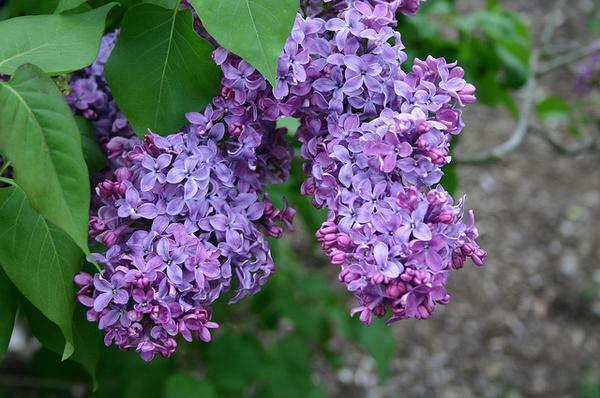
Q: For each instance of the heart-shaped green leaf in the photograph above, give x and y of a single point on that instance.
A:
(39, 135)
(39, 259)
(256, 30)
(160, 69)
(56, 43)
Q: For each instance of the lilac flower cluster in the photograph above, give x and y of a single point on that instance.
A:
(181, 229)
(184, 217)
(374, 139)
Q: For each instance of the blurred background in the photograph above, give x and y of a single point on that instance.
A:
(525, 325)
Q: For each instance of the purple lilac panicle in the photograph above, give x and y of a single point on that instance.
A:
(182, 228)
(375, 139)
(185, 217)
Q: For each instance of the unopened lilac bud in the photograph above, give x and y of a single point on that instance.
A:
(83, 279)
(349, 277)
(437, 156)
(89, 114)
(446, 217)
(134, 316)
(338, 258)
(110, 238)
(330, 238)
(120, 189)
(275, 231)
(366, 316)
(467, 249)
(422, 312)
(328, 228)
(467, 94)
(270, 209)
(105, 189)
(92, 315)
(123, 174)
(476, 259)
(96, 226)
(308, 188)
(458, 260)
(235, 129)
(394, 291)
(344, 241)
(378, 278)
(116, 147)
(422, 128)
(379, 311)
(422, 144)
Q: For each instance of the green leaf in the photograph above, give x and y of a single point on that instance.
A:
(160, 68)
(93, 155)
(183, 385)
(40, 260)
(553, 108)
(65, 5)
(8, 311)
(256, 30)
(56, 43)
(42, 140)
(87, 338)
(508, 35)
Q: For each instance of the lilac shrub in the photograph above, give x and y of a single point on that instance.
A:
(185, 216)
